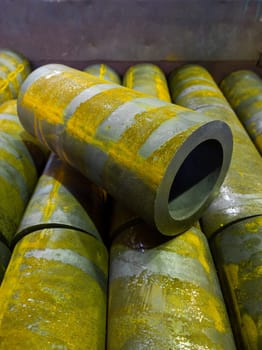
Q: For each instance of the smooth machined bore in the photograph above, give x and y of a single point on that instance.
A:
(195, 179)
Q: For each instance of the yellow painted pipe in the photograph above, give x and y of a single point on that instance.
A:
(53, 295)
(243, 90)
(149, 154)
(64, 198)
(4, 259)
(104, 72)
(237, 251)
(241, 193)
(14, 68)
(149, 79)
(22, 157)
(164, 294)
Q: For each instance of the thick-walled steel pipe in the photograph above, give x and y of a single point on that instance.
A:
(104, 72)
(14, 68)
(164, 161)
(64, 198)
(237, 251)
(241, 194)
(243, 89)
(164, 294)
(149, 79)
(22, 157)
(4, 259)
(53, 295)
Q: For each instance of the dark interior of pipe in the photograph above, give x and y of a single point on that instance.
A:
(195, 179)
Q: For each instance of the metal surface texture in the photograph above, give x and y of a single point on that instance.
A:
(237, 251)
(126, 30)
(104, 72)
(149, 79)
(21, 157)
(243, 90)
(149, 154)
(241, 193)
(53, 295)
(4, 259)
(14, 68)
(64, 198)
(164, 294)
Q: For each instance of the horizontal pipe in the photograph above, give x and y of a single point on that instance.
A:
(243, 89)
(164, 294)
(104, 72)
(14, 68)
(164, 161)
(241, 193)
(63, 198)
(237, 251)
(54, 292)
(22, 158)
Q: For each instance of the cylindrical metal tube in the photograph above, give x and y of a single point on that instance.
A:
(164, 294)
(241, 193)
(104, 72)
(237, 251)
(14, 68)
(64, 198)
(4, 259)
(243, 90)
(149, 79)
(21, 157)
(53, 295)
(164, 161)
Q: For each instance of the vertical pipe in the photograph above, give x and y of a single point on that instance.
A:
(164, 293)
(243, 89)
(22, 157)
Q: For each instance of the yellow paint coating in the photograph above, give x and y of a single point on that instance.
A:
(148, 79)
(243, 89)
(9, 107)
(64, 307)
(9, 87)
(157, 310)
(237, 250)
(237, 199)
(11, 208)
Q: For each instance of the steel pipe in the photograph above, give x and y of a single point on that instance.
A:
(164, 161)
(164, 294)
(149, 79)
(237, 251)
(243, 89)
(104, 72)
(53, 295)
(241, 194)
(4, 259)
(21, 158)
(14, 68)
(64, 198)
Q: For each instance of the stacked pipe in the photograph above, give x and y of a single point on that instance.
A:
(243, 90)
(159, 287)
(22, 159)
(233, 220)
(103, 72)
(55, 288)
(142, 151)
(149, 79)
(14, 68)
